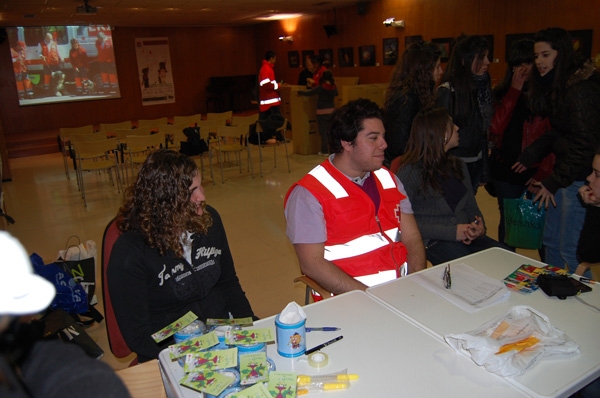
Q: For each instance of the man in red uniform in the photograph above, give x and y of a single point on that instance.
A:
(19, 56)
(108, 69)
(80, 63)
(51, 57)
(349, 218)
(268, 86)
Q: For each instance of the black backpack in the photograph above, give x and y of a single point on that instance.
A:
(194, 145)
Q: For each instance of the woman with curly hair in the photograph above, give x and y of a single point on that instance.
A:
(172, 257)
(411, 89)
(465, 91)
(439, 188)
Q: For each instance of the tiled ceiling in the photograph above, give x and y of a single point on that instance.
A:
(155, 12)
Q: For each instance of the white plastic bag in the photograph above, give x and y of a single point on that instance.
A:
(514, 342)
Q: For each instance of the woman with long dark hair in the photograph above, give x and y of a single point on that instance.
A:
(440, 190)
(465, 91)
(411, 88)
(565, 87)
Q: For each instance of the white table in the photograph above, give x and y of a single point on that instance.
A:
(438, 317)
(392, 356)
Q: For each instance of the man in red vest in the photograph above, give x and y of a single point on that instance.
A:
(349, 218)
(268, 86)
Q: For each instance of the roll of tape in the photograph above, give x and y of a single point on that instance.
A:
(318, 359)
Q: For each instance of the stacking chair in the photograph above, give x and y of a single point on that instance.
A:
(220, 116)
(153, 124)
(97, 156)
(65, 143)
(232, 140)
(311, 288)
(190, 121)
(244, 120)
(117, 343)
(138, 147)
(275, 145)
(109, 128)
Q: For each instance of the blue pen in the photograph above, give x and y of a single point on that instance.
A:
(323, 329)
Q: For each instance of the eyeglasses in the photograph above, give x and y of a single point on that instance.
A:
(447, 277)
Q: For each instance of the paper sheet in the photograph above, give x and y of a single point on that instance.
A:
(471, 290)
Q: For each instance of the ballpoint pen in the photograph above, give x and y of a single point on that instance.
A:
(587, 280)
(322, 329)
(321, 346)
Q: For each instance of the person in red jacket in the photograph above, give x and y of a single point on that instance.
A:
(108, 69)
(20, 68)
(51, 57)
(268, 86)
(79, 61)
(318, 68)
(349, 218)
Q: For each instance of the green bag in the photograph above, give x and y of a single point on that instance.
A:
(524, 223)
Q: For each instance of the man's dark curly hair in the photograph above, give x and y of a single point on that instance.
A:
(158, 204)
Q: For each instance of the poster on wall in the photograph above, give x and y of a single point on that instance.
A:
(154, 69)
(63, 63)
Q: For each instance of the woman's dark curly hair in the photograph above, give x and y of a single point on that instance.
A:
(158, 204)
(414, 74)
(425, 148)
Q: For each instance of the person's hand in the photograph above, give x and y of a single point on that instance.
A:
(461, 233)
(475, 230)
(588, 196)
(518, 167)
(543, 195)
(519, 77)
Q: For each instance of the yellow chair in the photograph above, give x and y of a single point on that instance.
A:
(232, 139)
(188, 120)
(138, 147)
(282, 130)
(108, 128)
(220, 116)
(153, 124)
(311, 286)
(96, 156)
(244, 120)
(65, 143)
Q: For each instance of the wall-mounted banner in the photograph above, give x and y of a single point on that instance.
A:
(154, 68)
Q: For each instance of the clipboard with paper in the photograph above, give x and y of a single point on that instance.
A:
(470, 290)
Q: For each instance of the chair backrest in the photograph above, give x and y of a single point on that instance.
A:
(111, 127)
(143, 142)
(94, 148)
(244, 120)
(155, 124)
(220, 116)
(188, 120)
(77, 139)
(210, 126)
(66, 132)
(232, 131)
(116, 342)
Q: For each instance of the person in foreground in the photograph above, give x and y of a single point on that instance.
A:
(349, 219)
(173, 256)
(440, 189)
(29, 365)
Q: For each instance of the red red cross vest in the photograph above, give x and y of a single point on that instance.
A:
(359, 241)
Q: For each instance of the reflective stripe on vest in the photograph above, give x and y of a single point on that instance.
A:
(267, 81)
(328, 182)
(270, 101)
(359, 246)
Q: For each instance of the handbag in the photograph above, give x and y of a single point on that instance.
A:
(79, 261)
(524, 223)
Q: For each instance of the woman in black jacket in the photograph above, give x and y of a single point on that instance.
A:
(566, 88)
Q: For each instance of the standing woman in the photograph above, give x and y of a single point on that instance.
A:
(566, 88)
(411, 89)
(327, 91)
(513, 128)
(466, 92)
(440, 190)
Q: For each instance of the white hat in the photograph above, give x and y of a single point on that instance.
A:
(21, 290)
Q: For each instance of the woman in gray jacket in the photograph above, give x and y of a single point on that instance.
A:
(439, 187)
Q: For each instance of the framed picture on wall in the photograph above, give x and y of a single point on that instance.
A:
(490, 41)
(408, 40)
(346, 56)
(390, 51)
(366, 55)
(327, 56)
(513, 38)
(445, 47)
(306, 53)
(293, 59)
(582, 41)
